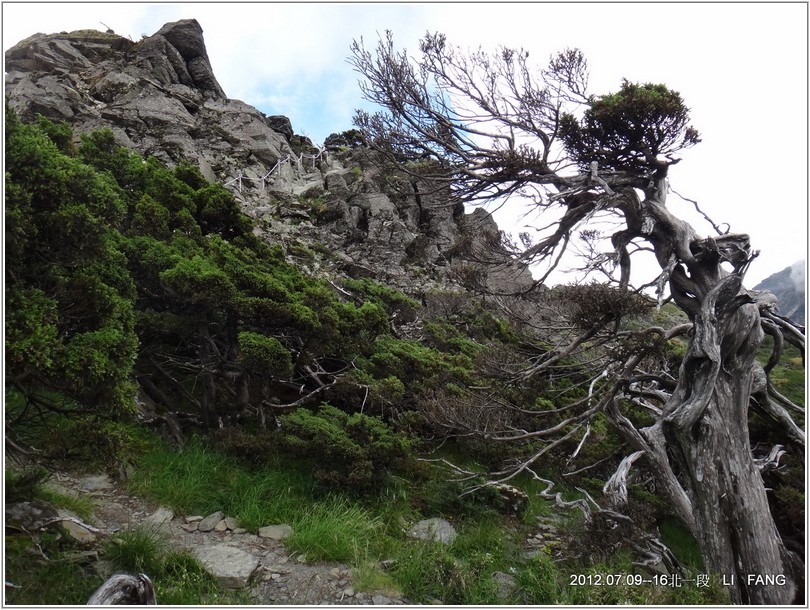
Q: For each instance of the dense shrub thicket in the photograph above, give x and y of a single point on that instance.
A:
(126, 279)
(120, 270)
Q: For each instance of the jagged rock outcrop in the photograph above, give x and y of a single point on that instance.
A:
(159, 96)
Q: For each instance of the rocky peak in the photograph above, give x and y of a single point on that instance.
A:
(159, 96)
(186, 36)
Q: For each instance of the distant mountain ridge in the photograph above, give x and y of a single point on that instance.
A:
(788, 286)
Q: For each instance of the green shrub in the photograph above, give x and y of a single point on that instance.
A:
(263, 354)
(417, 365)
(22, 486)
(254, 447)
(354, 452)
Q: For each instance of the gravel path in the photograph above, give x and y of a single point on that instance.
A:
(277, 576)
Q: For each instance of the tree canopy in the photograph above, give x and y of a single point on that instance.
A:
(635, 129)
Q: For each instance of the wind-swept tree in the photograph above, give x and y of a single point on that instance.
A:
(493, 128)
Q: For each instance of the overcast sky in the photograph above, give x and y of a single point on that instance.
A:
(741, 68)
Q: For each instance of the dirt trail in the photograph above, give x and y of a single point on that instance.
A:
(281, 577)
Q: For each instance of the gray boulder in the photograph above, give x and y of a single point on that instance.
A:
(507, 585)
(97, 482)
(186, 36)
(275, 532)
(77, 532)
(435, 529)
(161, 516)
(232, 567)
(282, 125)
(30, 515)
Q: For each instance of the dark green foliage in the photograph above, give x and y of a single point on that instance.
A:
(630, 129)
(99, 150)
(69, 310)
(21, 486)
(393, 300)
(413, 362)
(449, 338)
(191, 176)
(438, 496)
(107, 244)
(350, 138)
(261, 354)
(253, 447)
(59, 133)
(353, 452)
(218, 212)
(70, 434)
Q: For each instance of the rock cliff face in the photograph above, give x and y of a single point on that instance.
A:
(160, 97)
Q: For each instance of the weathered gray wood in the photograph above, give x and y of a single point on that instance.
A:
(706, 427)
(125, 590)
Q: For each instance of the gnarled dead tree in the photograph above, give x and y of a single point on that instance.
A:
(492, 128)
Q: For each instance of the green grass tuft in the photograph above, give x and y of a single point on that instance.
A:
(332, 529)
(81, 505)
(137, 550)
(199, 480)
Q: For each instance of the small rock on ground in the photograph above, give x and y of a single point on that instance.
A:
(275, 532)
(436, 529)
(160, 516)
(207, 524)
(232, 567)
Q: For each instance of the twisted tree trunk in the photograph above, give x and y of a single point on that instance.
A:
(706, 426)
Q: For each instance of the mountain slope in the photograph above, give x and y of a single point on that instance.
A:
(788, 286)
(160, 98)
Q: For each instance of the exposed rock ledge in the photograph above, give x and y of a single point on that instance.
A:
(159, 96)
